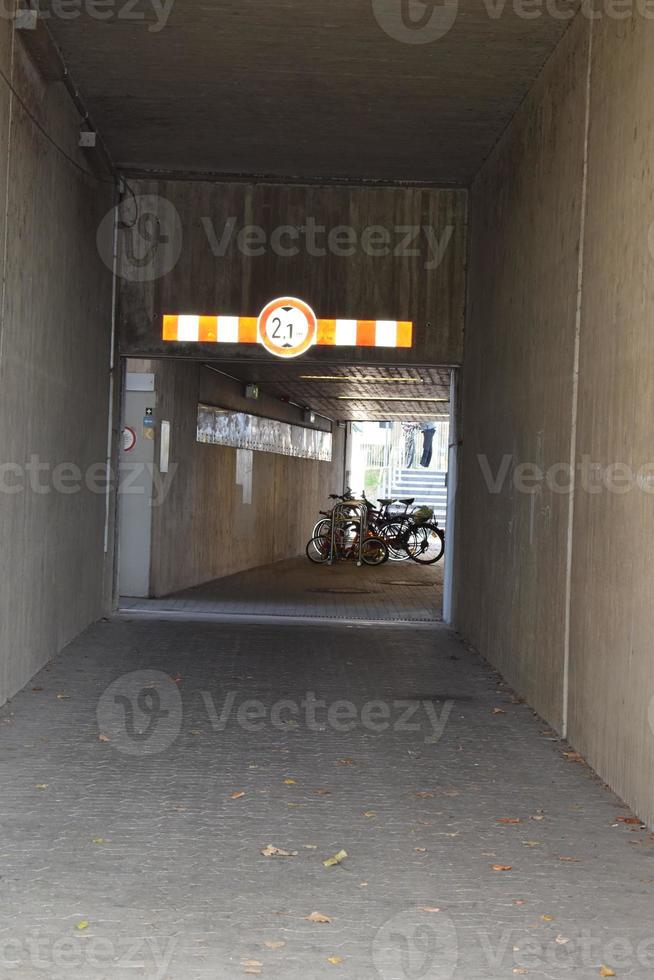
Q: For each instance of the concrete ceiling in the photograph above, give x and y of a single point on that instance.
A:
(354, 392)
(304, 89)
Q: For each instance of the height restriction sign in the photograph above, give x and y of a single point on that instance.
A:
(287, 327)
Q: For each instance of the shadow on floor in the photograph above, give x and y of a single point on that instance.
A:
(396, 591)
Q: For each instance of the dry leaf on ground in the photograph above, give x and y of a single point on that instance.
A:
(274, 943)
(317, 917)
(335, 960)
(289, 782)
(509, 820)
(237, 796)
(335, 859)
(501, 867)
(84, 924)
(428, 908)
(498, 711)
(102, 737)
(606, 971)
(345, 762)
(270, 851)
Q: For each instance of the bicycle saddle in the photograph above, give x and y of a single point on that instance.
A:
(384, 501)
(406, 500)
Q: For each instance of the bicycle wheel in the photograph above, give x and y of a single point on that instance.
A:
(430, 544)
(374, 551)
(401, 541)
(322, 527)
(318, 549)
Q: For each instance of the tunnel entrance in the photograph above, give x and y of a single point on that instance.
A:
(229, 469)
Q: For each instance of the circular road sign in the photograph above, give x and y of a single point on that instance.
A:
(287, 327)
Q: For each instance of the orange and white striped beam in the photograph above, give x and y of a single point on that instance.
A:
(191, 328)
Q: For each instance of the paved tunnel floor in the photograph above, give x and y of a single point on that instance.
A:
(395, 591)
(147, 768)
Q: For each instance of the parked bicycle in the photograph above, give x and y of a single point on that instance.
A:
(409, 534)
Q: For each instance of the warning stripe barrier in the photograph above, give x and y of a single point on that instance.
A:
(190, 328)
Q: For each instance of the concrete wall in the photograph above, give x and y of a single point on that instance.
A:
(412, 274)
(54, 352)
(205, 527)
(554, 587)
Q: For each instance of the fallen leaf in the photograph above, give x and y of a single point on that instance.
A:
(42, 785)
(570, 860)
(427, 908)
(98, 840)
(63, 697)
(345, 762)
(335, 960)
(573, 757)
(252, 967)
(84, 924)
(531, 843)
(633, 821)
(311, 847)
(270, 851)
(289, 782)
(547, 918)
(176, 680)
(369, 813)
(322, 792)
(274, 943)
(501, 867)
(498, 711)
(37, 688)
(510, 820)
(335, 859)
(102, 737)
(420, 850)
(537, 816)
(606, 971)
(363, 884)
(520, 970)
(317, 917)
(425, 794)
(561, 940)
(237, 796)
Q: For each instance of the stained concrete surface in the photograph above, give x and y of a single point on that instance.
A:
(155, 839)
(397, 591)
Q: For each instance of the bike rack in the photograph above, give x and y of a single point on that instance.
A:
(348, 512)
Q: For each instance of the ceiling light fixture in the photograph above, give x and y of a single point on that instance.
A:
(388, 398)
(365, 378)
